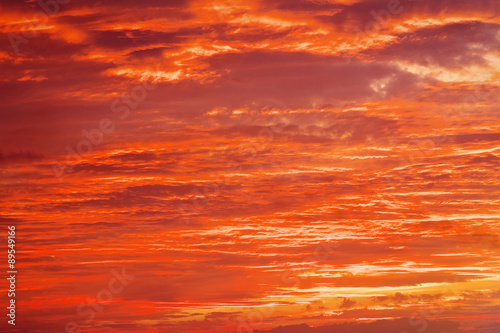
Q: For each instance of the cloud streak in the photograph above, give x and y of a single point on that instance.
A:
(280, 128)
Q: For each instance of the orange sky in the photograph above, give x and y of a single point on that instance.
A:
(223, 166)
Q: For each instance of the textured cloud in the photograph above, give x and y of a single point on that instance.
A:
(280, 166)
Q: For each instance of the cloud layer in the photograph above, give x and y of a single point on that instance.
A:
(254, 165)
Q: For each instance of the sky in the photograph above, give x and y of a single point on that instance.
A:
(281, 166)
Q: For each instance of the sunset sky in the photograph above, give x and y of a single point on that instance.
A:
(240, 165)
